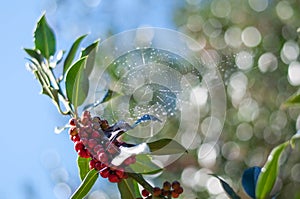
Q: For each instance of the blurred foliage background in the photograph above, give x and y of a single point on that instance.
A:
(256, 47)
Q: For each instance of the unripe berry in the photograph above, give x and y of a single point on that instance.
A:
(167, 186)
(73, 131)
(156, 191)
(145, 193)
(113, 178)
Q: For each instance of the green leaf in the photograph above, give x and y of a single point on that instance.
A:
(77, 83)
(294, 100)
(144, 165)
(128, 189)
(34, 54)
(83, 166)
(165, 147)
(90, 51)
(230, 192)
(72, 52)
(44, 38)
(86, 185)
(269, 172)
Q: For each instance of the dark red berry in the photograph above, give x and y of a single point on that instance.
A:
(102, 157)
(145, 193)
(113, 178)
(72, 122)
(92, 143)
(92, 163)
(120, 173)
(75, 138)
(104, 124)
(175, 185)
(105, 172)
(174, 194)
(179, 190)
(167, 186)
(96, 134)
(78, 146)
(156, 191)
(99, 166)
(98, 148)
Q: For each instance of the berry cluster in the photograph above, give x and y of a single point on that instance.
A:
(167, 191)
(91, 137)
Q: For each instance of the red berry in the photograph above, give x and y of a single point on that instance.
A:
(99, 166)
(92, 163)
(113, 178)
(75, 138)
(72, 122)
(175, 185)
(96, 134)
(179, 190)
(145, 193)
(104, 124)
(102, 157)
(112, 149)
(156, 191)
(174, 194)
(167, 186)
(98, 148)
(92, 143)
(120, 173)
(105, 172)
(78, 146)
(130, 160)
(73, 131)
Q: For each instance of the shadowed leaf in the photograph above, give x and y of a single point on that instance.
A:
(230, 192)
(165, 147)
(249, 180)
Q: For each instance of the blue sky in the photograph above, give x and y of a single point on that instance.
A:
(31, 154)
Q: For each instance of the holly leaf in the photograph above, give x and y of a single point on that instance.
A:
(83, 166)
(77, 83)
(44, 38)
(144, 165)
(294, 100)
(129, 189)
(249, 180)
(165, 147)
(90, 51)
(72, 52)
(230, 192)
(34, 54)
(269, 172)
(86, 185)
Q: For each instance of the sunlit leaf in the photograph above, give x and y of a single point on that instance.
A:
(269, 172)
(294, 100)
(165, 147)
(34, 54)
(77, 83)
(44, 38)
(86, 185)
(128, 189)
(144, 165)
(230, 192)
(249, 180)
(83, 166)
(90, 51)
(72, 52)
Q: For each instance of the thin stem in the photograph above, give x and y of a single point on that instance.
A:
(139, 178)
